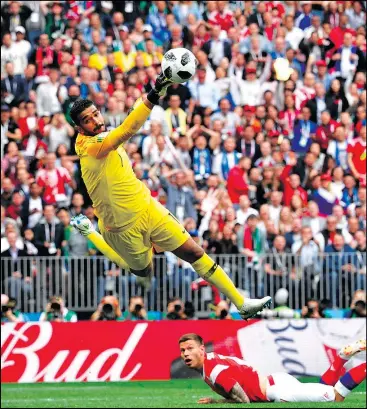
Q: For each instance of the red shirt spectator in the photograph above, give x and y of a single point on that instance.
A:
(236, 184)
(223, 17)
(326, 130)
(357, 155)
(15, 209)
(292, 185)
(53, 181)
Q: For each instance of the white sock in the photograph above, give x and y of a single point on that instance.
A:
(341, 389)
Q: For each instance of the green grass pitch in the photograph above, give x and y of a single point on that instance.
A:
(162, 394)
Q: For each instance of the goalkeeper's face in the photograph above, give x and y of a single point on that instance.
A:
(192, 354)
(91, 121)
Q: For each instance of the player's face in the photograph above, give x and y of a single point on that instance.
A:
(192, 354)
(91, 121)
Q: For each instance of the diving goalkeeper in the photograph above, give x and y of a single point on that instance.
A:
(130, 220)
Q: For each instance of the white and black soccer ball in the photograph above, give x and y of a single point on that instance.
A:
(179, 65)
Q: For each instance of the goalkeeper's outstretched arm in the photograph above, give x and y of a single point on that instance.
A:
(133, 122)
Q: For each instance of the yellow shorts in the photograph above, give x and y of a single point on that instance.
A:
(156, 227)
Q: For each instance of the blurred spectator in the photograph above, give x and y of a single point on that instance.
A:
(32, 207)
(136, 310)
(14, 14)
(313, 219)
(14, 268)
(59, 131)
(307, 249)
(49, 233)
(221, 311)
(356, 149)
(357, 307)
(340, 267)
(180, 199)
(12, 87)
(205, 96)
(237, 181)
(108, 310)
(279, 265)
(47, 94)
(53, 181)
(175, 117)
(175, 309)
(57, 312)
(245, 210)
(9, 313)
(224, 161)
(311, 309)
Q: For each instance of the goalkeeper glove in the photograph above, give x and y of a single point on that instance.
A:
(83, 225)
(159, 90)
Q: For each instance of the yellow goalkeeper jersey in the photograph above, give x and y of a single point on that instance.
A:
(118, 196)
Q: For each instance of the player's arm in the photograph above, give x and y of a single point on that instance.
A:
(236, 395)
(132, 123)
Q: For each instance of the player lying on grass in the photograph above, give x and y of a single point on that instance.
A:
(238, 382)
(130, 220)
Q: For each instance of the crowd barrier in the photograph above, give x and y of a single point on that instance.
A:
(82, 282)
(124, 351)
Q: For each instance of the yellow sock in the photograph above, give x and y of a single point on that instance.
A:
(210, 271)
(108, 251)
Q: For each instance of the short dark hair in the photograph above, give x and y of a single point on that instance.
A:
(78, 107)
(191, 337)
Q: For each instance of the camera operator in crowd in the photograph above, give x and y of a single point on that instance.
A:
(175, 309)
(312, 309)
(57, 312)
(8, 311)
(108, 310)
(221, 311)
(136, 310)
(358, 305)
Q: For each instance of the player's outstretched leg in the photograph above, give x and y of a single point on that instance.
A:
(336, 370)
(208, 269)
(86, 228)
(350, 381)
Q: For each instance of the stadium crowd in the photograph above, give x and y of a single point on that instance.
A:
(251, 165)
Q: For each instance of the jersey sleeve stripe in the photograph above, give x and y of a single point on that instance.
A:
(216, 371)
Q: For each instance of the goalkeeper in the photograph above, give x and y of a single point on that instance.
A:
(130, 220)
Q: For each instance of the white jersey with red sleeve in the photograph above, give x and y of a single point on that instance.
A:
(223, 372)
(53, 182)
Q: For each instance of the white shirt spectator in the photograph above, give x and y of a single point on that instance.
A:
(23, 48)
(337, 189)
(338, 150)
(217, 162)
(231, 120)
(158, 114)
(356, 20)
(309, 253)
(242, 216)
(5, 244)
(57, 136)
(316, 224)
(294, 37)
(207, 94)
(34, 218)
(47, 100)
(274, 213)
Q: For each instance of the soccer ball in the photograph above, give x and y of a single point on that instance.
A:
(179, 65)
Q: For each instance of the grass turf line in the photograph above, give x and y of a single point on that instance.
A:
(156, 394)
